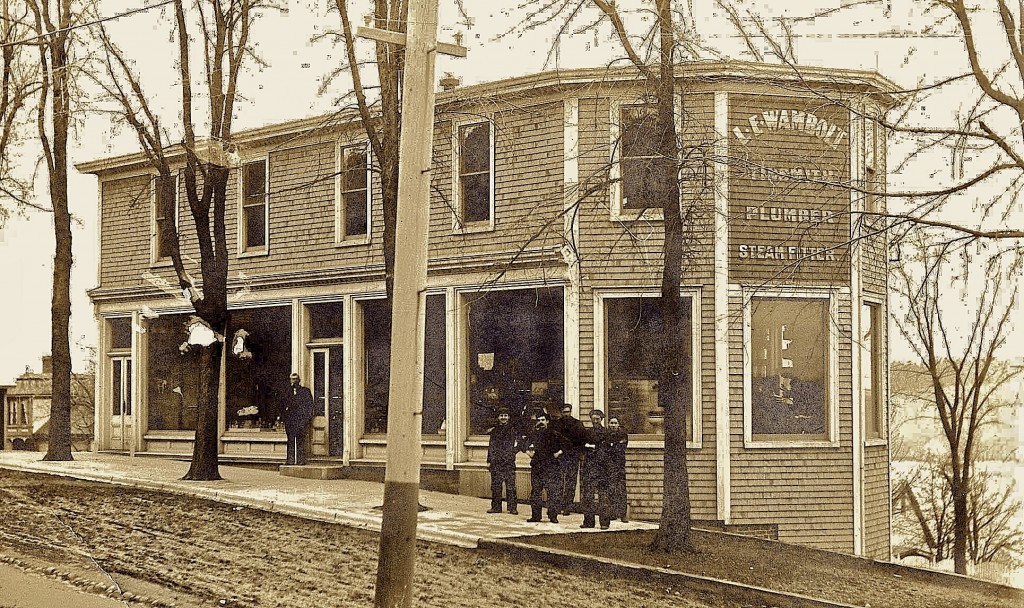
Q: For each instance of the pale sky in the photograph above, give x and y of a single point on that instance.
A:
(287, 89)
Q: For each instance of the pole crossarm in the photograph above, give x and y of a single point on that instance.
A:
(455, 50)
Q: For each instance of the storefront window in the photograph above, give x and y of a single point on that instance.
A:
(633, 327)
(258, 362)
(789, 368)
(377, 349)
(173, 378)
(516, 358)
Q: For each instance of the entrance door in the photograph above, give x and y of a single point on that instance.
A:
(121, 419)
(328, 424)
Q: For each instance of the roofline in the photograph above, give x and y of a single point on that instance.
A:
(884, 88)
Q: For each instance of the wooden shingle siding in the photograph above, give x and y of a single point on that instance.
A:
(125, 230)
(876, 502)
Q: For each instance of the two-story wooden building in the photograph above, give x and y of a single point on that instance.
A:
(543, 282)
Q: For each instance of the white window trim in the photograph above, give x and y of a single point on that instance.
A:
(155, 260)
(618, 213)
(340, 239)
(695, 440)
(832, 367)
(458, 226)
(879, 367)
(243, 251)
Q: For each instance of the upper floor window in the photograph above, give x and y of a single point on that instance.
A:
(354, 199)
(255, 207)
(638, 150)
(871, 370)
(790, 370)
(165, 216)
(474, 187)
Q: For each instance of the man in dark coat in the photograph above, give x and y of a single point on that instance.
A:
(297, 413)
(616, 441)
(545, 449)
(594, 493)
(575, 436)
(501, 460)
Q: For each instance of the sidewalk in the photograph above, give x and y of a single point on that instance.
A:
(449, 519)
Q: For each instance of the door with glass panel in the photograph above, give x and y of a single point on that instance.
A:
(328, 401)
(121, 419)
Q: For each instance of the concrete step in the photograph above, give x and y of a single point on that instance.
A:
(314, 471)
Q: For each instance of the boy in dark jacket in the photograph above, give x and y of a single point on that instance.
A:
(501, 460)
(574, 435)
(616, 441)
(594, 497)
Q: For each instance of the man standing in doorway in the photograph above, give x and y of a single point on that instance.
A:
(297, 412)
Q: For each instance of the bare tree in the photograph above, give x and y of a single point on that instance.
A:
(222, 29)
(16, 89)
(958, 348)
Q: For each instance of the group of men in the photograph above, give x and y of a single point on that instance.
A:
(558, 448)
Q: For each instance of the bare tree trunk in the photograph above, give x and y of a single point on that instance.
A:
(961, 525)
(673, 383)
(205, 466)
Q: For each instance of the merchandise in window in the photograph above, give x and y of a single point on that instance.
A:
(789, 371)
(516, 356)
(377, 349)
(173, 379)
(254, 205)
(259, 361)
(355, 192)
(475, 172)
(633, 327)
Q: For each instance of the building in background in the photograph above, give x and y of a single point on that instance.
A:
(27, 410)
(543, 284)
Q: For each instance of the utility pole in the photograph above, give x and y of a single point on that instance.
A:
(396, 558)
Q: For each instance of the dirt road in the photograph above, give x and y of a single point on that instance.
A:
(179, 551)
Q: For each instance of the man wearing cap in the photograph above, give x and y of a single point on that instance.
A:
(595, 473)
(575, 435)
(616, 441)
(545, 450)
(297, 413)
(501, 461)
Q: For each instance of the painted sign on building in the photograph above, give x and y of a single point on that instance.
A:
(789, 202)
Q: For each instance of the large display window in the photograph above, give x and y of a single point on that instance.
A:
(377, 357)
(516, 355)
(258, 363)
(173, 376)
(789, 373)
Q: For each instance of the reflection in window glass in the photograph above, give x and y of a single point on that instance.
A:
(120, 333)
(638, 151)
(789, 338)
(475, 172)
(871, 359)
(516, 357)
(326, 321)
(354, 190)
(254, 218)
(633, 336)
(377, 348)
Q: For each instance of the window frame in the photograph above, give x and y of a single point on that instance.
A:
(618, 209)
(695, 439)
(831, 369)
(155, 259)
(458, 212)
(341, 239)
(875, 360)
(244, 249)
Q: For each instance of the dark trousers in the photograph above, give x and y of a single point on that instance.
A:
(545, 482)
(569, 464)
(297, 445)
(503, 475)
(617, 494)
(595, 499)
